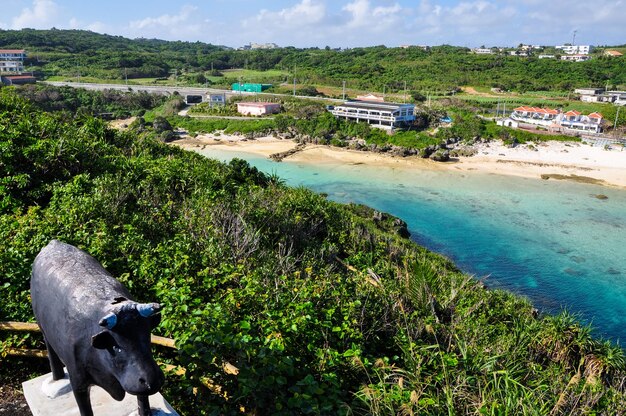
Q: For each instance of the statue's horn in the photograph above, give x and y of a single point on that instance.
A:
(148, 309)
(109, 321)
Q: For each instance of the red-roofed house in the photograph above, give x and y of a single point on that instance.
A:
(535, 115)
(613, 53)
(572, 115)
(17, 79)
(258, 109)
(595, 117)
(575, 120)
(555, 120)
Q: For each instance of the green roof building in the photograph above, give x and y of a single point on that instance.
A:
(250, 87)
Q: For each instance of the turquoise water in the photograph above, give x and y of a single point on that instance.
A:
(551, 241)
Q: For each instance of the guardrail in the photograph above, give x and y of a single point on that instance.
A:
(33, 327)
(227, 367)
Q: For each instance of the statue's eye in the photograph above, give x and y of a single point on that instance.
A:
(116, 350)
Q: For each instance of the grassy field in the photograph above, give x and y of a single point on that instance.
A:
(481, 97)
(250, 75)
(95, 80)
(515, 101)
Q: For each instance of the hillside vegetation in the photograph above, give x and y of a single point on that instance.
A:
(439, 70)
(322, 308)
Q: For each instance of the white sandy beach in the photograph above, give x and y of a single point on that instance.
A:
(575, 161)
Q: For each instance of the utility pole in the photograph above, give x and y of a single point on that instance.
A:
(344, 90)
(405, 91)
(294, 80)
(126, 75)
(615, 124)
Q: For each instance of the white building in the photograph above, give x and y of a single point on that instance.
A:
(482, 51)
(535, 115)
(555, 120)
(257, 109)
(253, 45)
(508, 122)
(575, 49)
(378, 114)
(574, 120)
(12, 60)
(215, 99)
(575, 58)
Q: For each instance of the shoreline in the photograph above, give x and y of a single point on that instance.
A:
(546, 160)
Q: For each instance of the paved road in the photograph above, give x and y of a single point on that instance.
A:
(153, 89)
(167, 90)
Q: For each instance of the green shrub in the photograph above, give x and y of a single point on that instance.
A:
(314, 307)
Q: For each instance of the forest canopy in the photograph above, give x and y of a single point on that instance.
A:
(437, 69)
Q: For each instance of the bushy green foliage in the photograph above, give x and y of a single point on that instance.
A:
(87, 102)
(439, 70)
(322, 308)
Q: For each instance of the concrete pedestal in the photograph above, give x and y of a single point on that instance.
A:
(46, 397)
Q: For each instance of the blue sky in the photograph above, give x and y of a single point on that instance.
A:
(336, 23)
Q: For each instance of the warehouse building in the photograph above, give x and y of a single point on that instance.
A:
(17, 79)
(239, 87)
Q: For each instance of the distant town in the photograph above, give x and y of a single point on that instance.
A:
(376, 110)
(566, 52)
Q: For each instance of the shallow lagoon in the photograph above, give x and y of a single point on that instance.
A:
(552, 241)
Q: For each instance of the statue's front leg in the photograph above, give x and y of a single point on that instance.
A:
(144, 405)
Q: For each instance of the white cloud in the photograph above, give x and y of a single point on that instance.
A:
(305, 13)
(312, 23)
(97, 26)
(41, 15)
(165, 20)
(605, 18)
(458, 22)
(466, 22)
(375, 18)
(187, 24)
(303, 23)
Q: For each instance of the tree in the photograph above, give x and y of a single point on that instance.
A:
(160, 124)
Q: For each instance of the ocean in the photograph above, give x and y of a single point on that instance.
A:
(554, 242)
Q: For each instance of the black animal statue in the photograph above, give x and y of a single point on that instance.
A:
(91, 325)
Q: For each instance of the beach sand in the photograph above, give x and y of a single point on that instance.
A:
(553, 160)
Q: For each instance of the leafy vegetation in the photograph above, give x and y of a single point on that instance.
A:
(321, 308)
(302, 118)
(439, 70)
(115, 104)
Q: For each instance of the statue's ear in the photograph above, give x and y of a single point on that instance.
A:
(103, 340)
